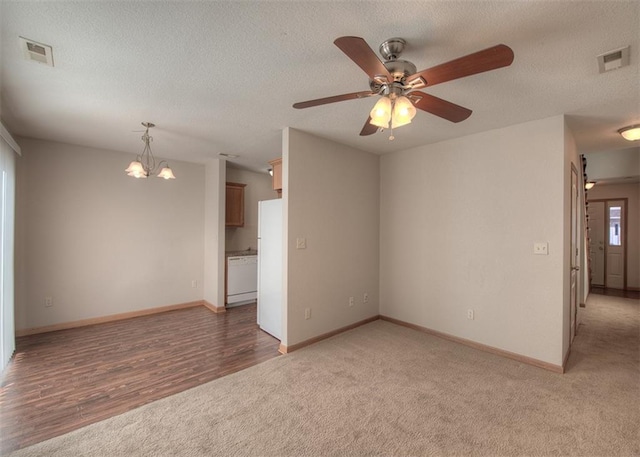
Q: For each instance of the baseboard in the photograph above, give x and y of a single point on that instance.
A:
(214, 308)
(103, 319)
(566, 359)
(294, 347)
(479, 346)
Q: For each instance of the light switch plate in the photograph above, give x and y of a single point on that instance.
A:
(301, 243)
(541, 248)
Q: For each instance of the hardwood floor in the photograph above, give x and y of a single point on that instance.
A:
(60, 381)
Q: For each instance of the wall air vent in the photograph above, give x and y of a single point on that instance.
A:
(613, 60)
(37, 52)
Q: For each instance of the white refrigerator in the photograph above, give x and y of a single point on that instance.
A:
(270, 266)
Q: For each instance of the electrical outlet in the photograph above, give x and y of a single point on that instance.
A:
(541, 248)
(48, 302)
(470, 314)
(307, 313)
(194, 284)
(351, 301)
(365, 298)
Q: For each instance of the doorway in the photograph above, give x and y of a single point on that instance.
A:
(607, 242)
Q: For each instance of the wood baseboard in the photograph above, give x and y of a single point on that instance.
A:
(214, 308)
(480, 346)
(103, 319)
(294, 347)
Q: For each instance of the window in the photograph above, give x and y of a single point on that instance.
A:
(614, 226)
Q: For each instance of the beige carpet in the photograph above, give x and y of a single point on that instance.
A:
(386, 390)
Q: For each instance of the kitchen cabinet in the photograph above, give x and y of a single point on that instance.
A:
(234, 208)
(276, 166)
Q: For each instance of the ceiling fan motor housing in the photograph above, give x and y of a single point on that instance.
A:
(399, 70)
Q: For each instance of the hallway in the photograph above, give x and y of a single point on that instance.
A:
(608, 338)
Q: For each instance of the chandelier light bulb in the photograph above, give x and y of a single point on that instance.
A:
(166, 173)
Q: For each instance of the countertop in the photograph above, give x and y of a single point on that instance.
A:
(241, 253)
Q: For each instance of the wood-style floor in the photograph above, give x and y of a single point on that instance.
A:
(634, 294)
(60, 381)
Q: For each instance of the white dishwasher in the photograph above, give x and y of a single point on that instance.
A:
(242, 279)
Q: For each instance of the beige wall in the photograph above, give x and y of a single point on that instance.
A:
(331, 198)
(458, 223)
(214, 236)
(613, 164)
(258, 188)
(632, 192)
(99, 242)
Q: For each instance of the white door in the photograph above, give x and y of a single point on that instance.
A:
(270, 266)
(596, 242)
(615, 267)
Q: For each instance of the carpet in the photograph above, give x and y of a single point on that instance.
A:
(385, 390)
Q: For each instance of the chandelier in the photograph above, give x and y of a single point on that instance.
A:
(145, 163)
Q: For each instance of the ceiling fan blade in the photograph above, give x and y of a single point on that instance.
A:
(368, 129)
(359, 51)
(439, 107)
(478, 62)
(335, 98)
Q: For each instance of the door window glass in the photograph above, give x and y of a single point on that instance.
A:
(614, 225)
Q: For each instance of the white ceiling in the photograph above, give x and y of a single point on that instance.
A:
(220, 77)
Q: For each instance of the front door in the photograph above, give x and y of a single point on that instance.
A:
(615, 268)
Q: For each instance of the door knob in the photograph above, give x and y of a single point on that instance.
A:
(575, 268)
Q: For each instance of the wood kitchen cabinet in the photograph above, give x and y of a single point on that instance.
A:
(234, 208)
(276, 166)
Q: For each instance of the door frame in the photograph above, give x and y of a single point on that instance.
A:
(625, 234)
(574, 252)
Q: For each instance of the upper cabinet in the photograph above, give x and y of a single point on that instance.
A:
(235, 205)
(276, 166)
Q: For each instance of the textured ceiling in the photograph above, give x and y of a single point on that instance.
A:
(220, 77)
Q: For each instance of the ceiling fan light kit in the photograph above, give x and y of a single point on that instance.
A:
(145, 164)
(631, 132)
(397, 82)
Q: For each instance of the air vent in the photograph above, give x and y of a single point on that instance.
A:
(37, 52)
(613, 60)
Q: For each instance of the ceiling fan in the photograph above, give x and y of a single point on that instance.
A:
(398, 82)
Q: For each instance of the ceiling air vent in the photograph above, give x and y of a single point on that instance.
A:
(37, 52)
(613, 60)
